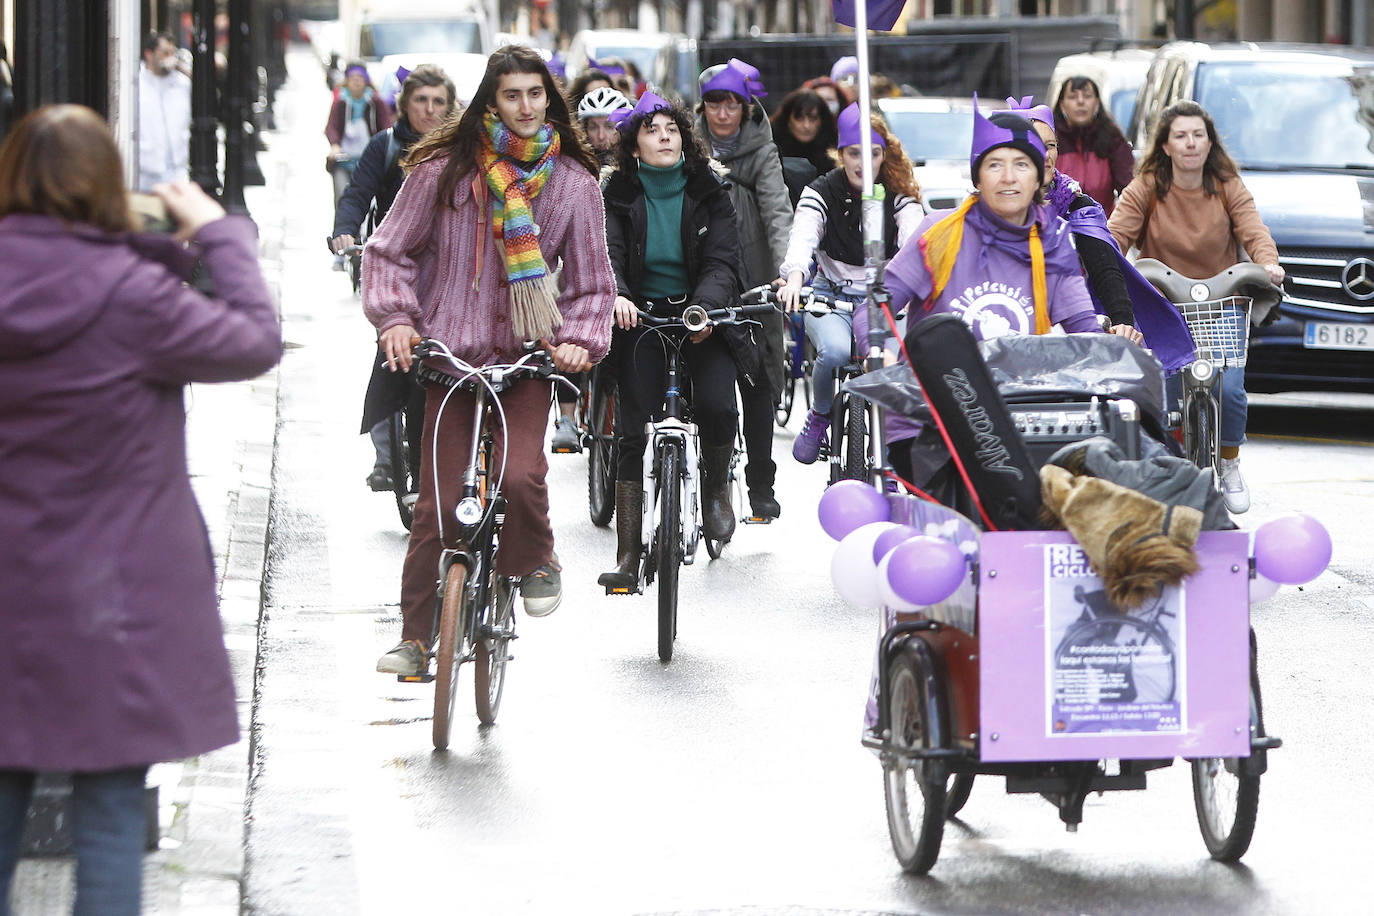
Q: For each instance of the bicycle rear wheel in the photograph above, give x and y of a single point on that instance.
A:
(448, 653)
(493, 650)
(669, 546)
(601, 452)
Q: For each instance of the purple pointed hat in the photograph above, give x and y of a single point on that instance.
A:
(850, 124)
(1004, 128)
(1027, 108)
(735, 76)
(647, 106)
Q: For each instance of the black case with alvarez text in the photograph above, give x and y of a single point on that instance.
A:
(959, 388)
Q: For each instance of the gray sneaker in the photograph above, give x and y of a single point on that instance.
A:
(408, 658)
(542, 590)
(566, 439)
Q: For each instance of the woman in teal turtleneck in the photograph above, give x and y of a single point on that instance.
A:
(670, 232)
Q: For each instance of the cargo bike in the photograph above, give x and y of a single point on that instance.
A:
(1027, 672)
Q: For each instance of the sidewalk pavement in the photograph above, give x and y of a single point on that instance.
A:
(230, 437)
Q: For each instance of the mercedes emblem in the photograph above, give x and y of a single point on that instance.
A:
(1358, 279)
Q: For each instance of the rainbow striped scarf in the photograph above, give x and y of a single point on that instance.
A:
(516, 171)
(940, 245)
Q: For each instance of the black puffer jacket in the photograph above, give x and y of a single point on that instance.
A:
(710, 245)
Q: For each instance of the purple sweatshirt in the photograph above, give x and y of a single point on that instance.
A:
(990, 287)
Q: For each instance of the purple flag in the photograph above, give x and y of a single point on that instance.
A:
(882, 14)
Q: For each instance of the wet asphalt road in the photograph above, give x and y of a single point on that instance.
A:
(732, 779)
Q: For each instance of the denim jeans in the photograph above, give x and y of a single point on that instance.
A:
(832, 335)
(109, 828)
(1234, 407)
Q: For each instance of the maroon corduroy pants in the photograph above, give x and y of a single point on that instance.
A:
(526, 539)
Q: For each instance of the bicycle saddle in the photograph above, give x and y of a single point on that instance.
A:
(1244, 279)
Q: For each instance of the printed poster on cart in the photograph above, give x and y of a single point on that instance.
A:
(1109, 672)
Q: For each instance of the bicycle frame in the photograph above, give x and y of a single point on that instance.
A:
(673, 428)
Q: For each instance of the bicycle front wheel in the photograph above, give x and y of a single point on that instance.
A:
(601, 453)
(783, 412)
(1201, 420)
(913, 789)
(856, 441)
(493, 651)
(669, 546)
(448, 654)
(401, 470)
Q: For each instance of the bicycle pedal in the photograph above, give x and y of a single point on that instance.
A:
(568, 451)
(758, 520)
(621, 590)
(414, 678)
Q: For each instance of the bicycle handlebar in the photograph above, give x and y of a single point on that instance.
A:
(535, 363)
(695, 318)
(1244, 279)
(812, 300)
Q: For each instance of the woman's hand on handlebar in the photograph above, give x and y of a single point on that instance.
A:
(1128, 332)
(396, 344)
(1275, 273)
(340, 242)
(626, 313)
(701, 335)
(790, 292)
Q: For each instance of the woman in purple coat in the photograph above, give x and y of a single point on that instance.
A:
(111, 651)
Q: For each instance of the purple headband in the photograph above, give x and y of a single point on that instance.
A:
(843, 67)
(850, 134)
(608, 69)
(557, 67)
(402, 73)
(647, 106)
(736, 76)
(355, 68)
(1028, 109)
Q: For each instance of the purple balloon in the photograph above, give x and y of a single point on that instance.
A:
(891, 538)
(1292, 549)
(848, 504)
(925, 570)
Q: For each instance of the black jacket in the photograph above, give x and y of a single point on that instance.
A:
(710, 246)
(373, 179)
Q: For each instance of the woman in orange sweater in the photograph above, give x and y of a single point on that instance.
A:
(1188, 208)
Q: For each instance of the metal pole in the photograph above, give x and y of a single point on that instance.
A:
(204, 143)
(234, 82)
(874, 249)
(126, 46)
(1183, 20)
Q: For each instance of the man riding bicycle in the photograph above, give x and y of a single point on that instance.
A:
(493, 200)
(427, 98)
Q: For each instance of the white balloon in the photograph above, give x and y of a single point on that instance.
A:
(852, 570)
(1262, 589)
(886, 595)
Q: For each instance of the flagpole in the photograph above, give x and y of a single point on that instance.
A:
(874, 248)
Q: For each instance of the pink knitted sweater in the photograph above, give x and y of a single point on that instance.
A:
(441, 272)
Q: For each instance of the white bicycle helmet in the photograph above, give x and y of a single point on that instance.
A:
(599, 103)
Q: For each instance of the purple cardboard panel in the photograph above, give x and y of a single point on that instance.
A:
(1065, 678)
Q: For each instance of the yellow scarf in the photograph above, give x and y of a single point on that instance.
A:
(940, 245)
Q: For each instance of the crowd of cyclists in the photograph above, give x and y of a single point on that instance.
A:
(557, 214)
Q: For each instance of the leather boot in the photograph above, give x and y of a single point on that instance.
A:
(629, 519)
(717, 515)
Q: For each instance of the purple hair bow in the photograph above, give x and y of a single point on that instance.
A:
(647, 106)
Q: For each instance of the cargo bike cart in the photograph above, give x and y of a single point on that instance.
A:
(1004, 656)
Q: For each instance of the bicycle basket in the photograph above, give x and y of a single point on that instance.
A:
(1220, 328)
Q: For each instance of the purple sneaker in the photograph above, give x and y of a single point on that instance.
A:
(815, 433)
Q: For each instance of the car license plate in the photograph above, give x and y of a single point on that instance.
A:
(1332, 335)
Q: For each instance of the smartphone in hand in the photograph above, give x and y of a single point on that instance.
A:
(151, 213)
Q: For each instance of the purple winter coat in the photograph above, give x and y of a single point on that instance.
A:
(111, 649)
